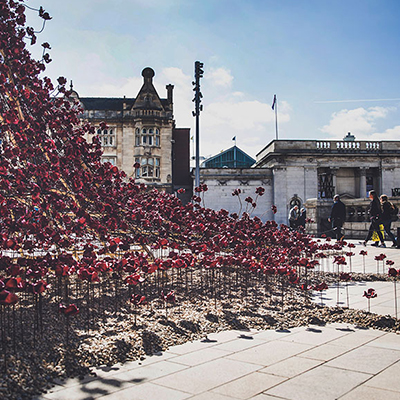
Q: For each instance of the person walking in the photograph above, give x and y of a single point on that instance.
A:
(375, 216)
(387, 210)
(337, 217)
(301, 222)
(293, 217)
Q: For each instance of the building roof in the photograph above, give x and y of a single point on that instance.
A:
(231, 158)
(106, 103)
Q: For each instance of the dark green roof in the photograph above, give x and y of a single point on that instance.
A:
(231, 158)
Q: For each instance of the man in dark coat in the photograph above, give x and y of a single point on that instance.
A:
(337, 217)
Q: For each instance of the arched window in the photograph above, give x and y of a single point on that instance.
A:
(147, 137)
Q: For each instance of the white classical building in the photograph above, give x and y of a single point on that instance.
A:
(309, 173)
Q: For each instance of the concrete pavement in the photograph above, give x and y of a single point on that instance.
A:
(338, 361)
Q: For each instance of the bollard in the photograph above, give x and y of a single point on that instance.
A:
(398, 238)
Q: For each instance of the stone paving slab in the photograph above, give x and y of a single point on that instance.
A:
(319, 384)
(338, 361)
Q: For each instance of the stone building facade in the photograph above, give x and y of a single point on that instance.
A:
(142, 130)
(222, 182)
(309, 173)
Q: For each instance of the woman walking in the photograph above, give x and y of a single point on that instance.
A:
(375, 216)
(387, 210)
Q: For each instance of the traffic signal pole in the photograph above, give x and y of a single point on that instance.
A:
(198, 73)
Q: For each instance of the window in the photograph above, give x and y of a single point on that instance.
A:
(107, 137)
(149, 167)
(137, 170)
(147, 137)
(108, 159)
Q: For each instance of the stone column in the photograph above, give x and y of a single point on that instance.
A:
(334, 171)
(363, 182)
(280, 194)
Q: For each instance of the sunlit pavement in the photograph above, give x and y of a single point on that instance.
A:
(351, 293)
(337, 361)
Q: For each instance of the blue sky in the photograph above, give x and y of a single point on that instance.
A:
(334, 65)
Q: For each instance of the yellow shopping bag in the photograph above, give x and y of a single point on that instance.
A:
(375, 236)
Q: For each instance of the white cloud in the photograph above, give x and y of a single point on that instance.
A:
(241, 116)
(220, 77)
(388, 134)
(359, 121)
(123, 87)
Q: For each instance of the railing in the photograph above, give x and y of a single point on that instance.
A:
(348, 146)
(396, 192)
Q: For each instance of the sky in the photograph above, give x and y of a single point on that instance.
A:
(333, 65)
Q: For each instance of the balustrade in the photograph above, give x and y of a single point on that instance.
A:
(348, 146)
(396, 192)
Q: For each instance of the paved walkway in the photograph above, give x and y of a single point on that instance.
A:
(352, 292)
(333, 362)
(338, 361)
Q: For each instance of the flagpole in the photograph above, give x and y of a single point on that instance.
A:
(276, 117)
(234, 153)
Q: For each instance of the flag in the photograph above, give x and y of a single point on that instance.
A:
(274, 102)
(234, 138)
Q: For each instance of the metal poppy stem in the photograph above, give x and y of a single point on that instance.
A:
(67, 331)
(338, 288)
(364, 264)
(395, 297)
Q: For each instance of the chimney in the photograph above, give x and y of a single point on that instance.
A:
(170, 89)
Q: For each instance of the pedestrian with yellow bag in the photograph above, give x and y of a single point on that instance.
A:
(375, 216)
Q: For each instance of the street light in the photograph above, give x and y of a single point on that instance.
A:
(198, 73)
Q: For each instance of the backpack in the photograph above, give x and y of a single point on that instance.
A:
(394, 213)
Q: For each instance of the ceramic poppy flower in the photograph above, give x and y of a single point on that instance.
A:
(236, 192)
(370, 293)
(345, 276)
(260, 191)
(321, 286)
(37, 287)
(303, 286)
(169, 297)
(134, 279)
(68, 311)
(138, 300)
(8, 298)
